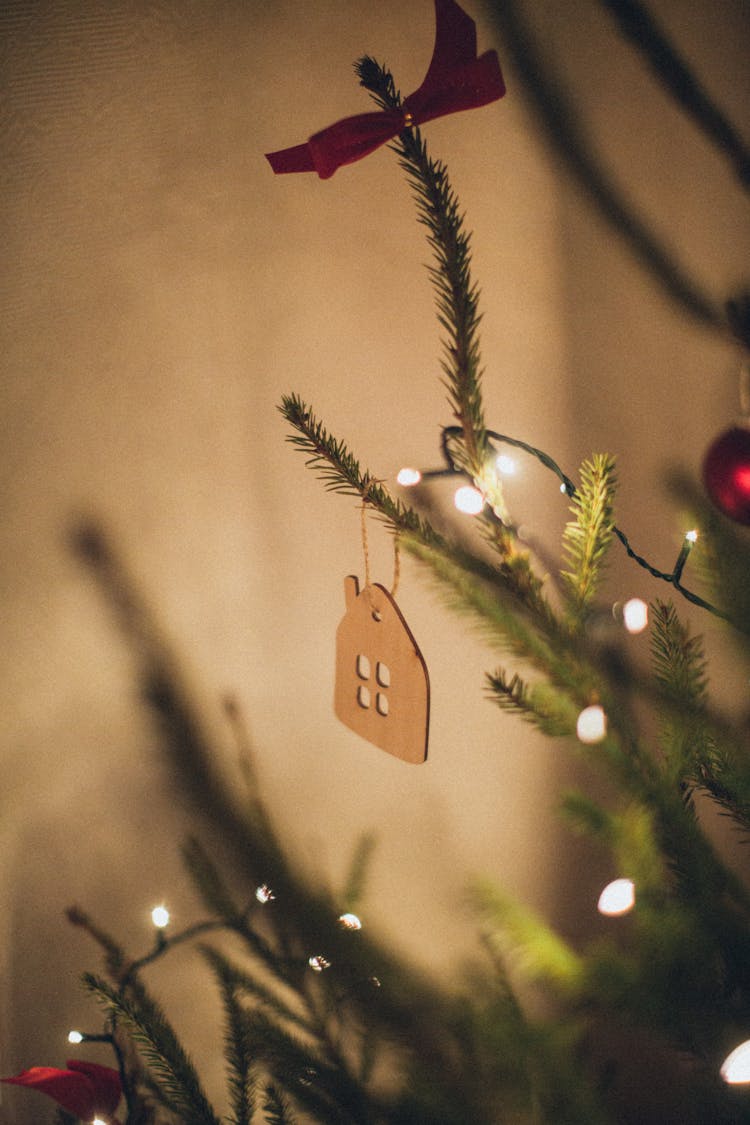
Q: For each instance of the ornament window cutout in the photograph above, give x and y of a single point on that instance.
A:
(383, 680)
(389, 705)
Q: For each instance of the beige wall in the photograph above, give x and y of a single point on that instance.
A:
(161, 291)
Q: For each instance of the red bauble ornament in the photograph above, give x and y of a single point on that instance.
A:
(726, 473)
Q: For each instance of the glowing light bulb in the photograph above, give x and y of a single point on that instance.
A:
(592, 724)
(319, 963)
(160, 917)
(635, 615)
(736, 1066)
(618, 897)
(505, 465)
(75, 1037)
(469, 500)
(98, 1121)
(408, 477)
(264, 894)
(692, 536)
(350, 922)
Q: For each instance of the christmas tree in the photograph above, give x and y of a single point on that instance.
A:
(322, 1020)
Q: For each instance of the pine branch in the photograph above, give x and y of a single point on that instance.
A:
(239, 1057)
(457, 296)
(587, 538)
(304, 1072)
(516, 930)
(680, 670)
(175, 1073)
(695, 752)
(549, 710)
(501, 614)
(341, 472)
(245, 983)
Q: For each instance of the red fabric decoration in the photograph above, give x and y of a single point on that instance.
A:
(726, 473)
(456, 79)
(85, 1088)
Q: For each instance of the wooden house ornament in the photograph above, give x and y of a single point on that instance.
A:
(382, 687)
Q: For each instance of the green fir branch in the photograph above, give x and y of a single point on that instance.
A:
(304, 1072)
(341, 472)
(174, 1072)
(547, 708)
(699, 753)
(587, 538)
(245, 983)
(515, 931)
(503, 615)
(239, 1058)
(680, 670)
(457, 296)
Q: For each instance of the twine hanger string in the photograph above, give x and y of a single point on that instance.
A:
(366, 547)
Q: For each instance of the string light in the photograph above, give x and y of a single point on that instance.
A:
(75, 1037)
(98, 1121)
(505, 465)
(160, 917)
(469, 500)
(264, 894)
(618, 897)
(635, 615)
(451, 434)
(735, 1070)
(592, 724)
(408, 477)
(350, 922)
(319, 963)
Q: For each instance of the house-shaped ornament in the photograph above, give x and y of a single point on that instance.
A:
(382, 687)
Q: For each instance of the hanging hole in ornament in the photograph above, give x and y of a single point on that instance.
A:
(383, 674)
(381, 703)
(363, 697)
(363, 667)
(377, 615)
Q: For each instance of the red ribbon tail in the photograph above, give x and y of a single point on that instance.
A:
(295, 159)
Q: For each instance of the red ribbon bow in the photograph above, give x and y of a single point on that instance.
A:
(85, 1089)
(456, 79)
